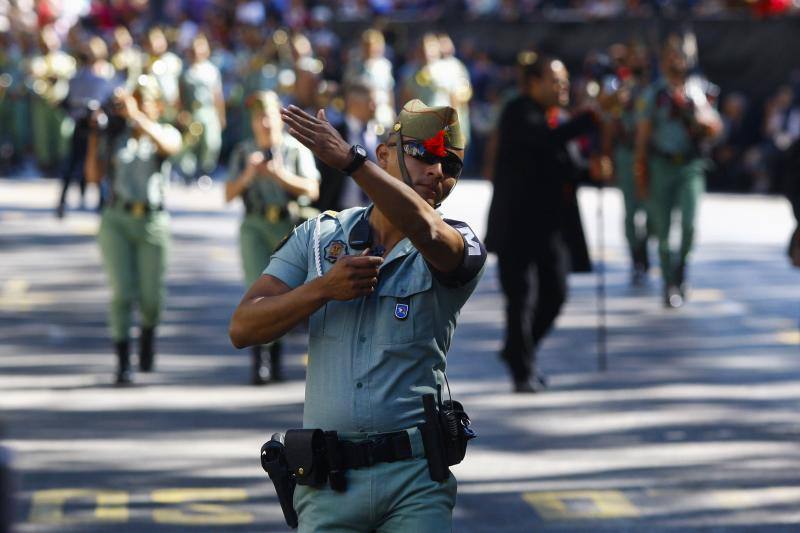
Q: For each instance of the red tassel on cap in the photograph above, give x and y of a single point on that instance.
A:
(435, 144)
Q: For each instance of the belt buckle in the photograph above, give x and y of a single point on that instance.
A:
(273, 213)
(137, 209)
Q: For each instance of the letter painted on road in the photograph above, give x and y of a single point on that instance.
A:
(47, 506)
(576, 505)
(197, 509)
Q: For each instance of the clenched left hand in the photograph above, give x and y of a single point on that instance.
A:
(318, 135)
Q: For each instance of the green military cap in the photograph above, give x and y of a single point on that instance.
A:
(418, 121)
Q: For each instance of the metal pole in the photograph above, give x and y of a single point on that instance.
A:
(601, 284)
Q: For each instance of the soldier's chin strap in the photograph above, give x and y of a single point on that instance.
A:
(401, 161)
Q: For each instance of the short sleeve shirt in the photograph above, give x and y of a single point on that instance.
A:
(199, 85)
(670, 135)
(263, 191)
(372, 358)
(138, 172)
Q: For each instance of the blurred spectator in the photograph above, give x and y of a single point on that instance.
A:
(732, 172)
(358, 126)
(91, 88)
(368, 65)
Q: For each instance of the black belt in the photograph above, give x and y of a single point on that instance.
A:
(271, 213)
(137, 208)
(678, 158)
(382, 448)
(317, 457)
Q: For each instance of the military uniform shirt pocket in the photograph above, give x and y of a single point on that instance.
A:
(405, 311)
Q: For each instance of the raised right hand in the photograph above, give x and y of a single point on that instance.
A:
(353, 276)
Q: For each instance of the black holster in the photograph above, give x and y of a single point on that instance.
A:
(445, 435)
(273, 461)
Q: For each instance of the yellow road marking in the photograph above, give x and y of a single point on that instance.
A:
(581, 505)
(196, 512)
(789, 337)
(706, 295)
(48, 505)
(15, 295)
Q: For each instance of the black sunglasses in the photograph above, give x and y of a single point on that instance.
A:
(451, 163)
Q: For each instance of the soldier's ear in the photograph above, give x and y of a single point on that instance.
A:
(383, 153)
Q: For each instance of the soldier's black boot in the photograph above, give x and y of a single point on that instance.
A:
(673, 298)
(680, 279)
(275, 368)
(124, 376)
(260, 372)
(640, 265)
(147, 353)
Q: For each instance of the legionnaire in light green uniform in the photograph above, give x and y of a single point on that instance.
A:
(50, 73)
(258, 70)
(269, 173)
(126, 57)
(166, 68)
(619, 136)
(134, 228)
(382, 287)
(675, 117)
(424, 83)
(16, 100)
(204, 105)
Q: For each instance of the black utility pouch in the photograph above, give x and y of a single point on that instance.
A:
(457, 433)
(305, 456)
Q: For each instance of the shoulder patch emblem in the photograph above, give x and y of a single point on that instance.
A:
(334, 250)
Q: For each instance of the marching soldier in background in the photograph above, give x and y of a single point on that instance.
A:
(203, 107)
(270, 172)
(166, 68)
(675, 118)
(50, 73)
(132, 154)
(619, 134)
(126, 57)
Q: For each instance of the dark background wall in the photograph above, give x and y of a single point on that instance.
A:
(737, 54)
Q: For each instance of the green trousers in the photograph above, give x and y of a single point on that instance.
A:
(397, 497)
(201, 157)
(134, 251)
(674, 187)
(51, 134)
(636, 235)
(258, 239)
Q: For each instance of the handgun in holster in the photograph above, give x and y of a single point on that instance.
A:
(445, 434)
(273, 461)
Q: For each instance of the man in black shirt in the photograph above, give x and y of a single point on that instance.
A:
(533, 204)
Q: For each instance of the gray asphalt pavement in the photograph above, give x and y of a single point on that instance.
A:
(694, 426)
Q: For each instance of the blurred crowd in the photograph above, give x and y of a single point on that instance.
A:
(208, 56)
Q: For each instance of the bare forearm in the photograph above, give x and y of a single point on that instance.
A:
(297, 186)
(92, 168)
(643, 131)
(406, 210)
(264, 319)
(165, 143)
(236, 188)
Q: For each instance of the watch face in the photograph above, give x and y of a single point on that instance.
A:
(361, 151)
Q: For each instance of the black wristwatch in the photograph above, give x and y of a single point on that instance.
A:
(358, 156)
